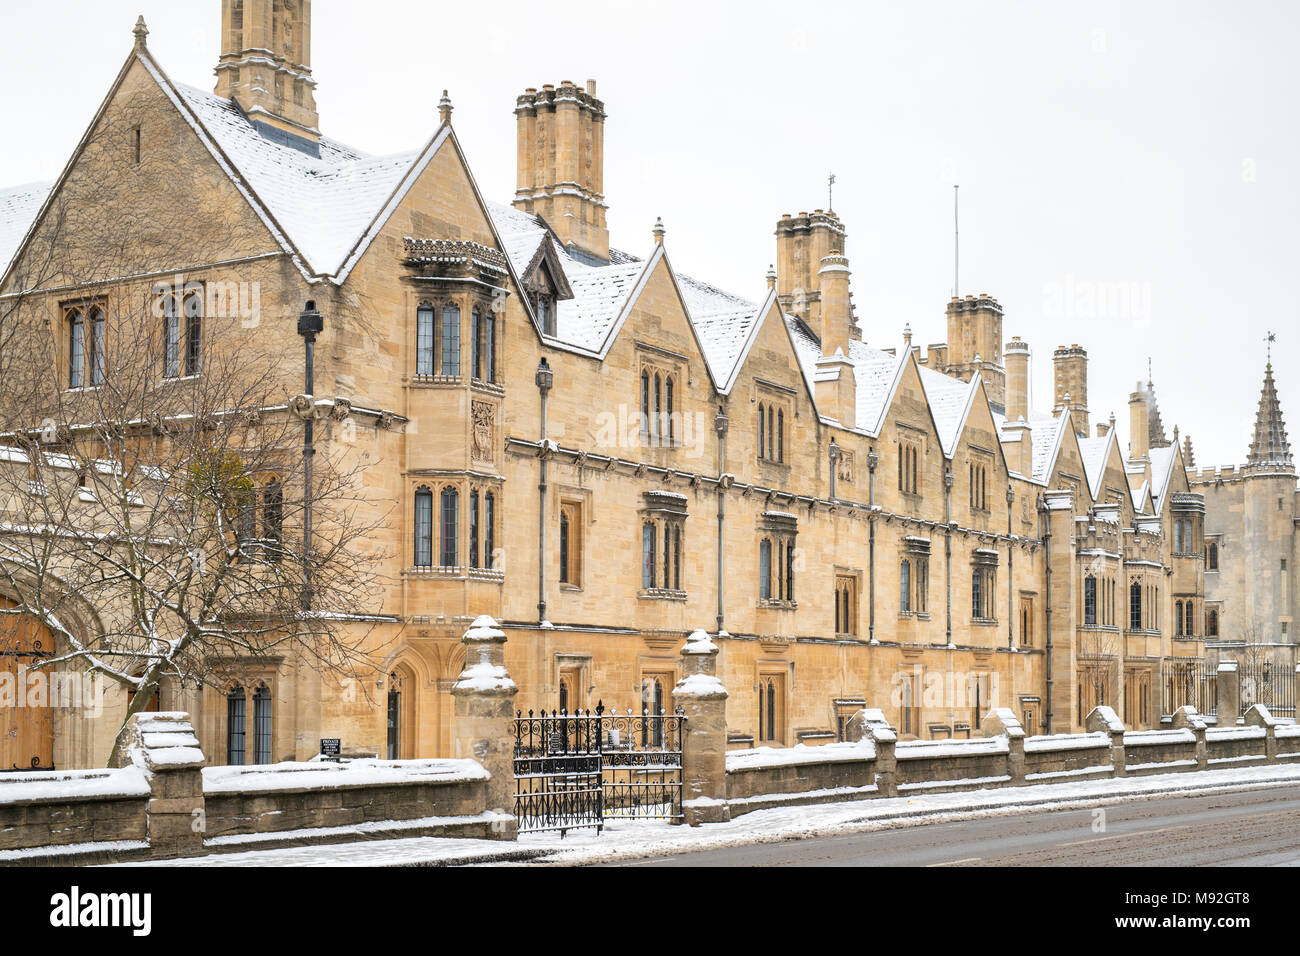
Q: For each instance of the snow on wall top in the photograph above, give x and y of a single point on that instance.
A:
(324, 205)
(18, 207)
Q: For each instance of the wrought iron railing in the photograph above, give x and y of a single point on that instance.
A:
(1189, 682)
(1263, 682)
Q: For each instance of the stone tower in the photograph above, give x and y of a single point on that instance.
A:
(561, 163)
(975, 343)
(1268, 514)
(1070, 386)
(265, 67)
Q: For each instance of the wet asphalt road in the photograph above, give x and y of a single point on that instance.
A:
(1252, 828)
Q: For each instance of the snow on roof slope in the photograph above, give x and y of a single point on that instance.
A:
(18, 207)
(949, 399)
(1162, 462)
(599, 296)
(722, 321)
(1094, 451)
(874, 371)
(1046, 432)
(324, 205)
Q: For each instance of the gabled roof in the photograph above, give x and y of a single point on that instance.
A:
(950, 400)
(1095, 453)
(323, 205)
(1162, 467)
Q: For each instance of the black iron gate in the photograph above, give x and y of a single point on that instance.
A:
(578, 770)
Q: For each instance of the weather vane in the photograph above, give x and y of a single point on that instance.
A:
(1268, 342)
(830, 192)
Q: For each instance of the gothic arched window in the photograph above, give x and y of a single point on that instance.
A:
(765, 569)
(423, 527)
(450, 340)
(450, 510)
(171, 338)
(424, 340)
(489, 529)
(76, 349)
(262, 725)
(235, 726)
(98, 359)
(193, 333)
(905, 586)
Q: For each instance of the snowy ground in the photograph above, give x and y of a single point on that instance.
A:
(628, 840)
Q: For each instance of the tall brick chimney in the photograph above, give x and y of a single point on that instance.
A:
(561, 162)
(1016, 355)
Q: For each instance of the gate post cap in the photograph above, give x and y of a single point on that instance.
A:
(699, 642)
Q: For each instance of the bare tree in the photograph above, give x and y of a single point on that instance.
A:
(152, 470)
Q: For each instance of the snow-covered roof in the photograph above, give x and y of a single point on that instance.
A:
(18, 207)
(325, 204)
(950, 401)
(1094, 452)
(875, 371)
(1162, 467)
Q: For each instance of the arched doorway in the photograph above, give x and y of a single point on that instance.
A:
(401, 713)
(26, 717)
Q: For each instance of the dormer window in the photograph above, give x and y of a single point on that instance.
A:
(545, 285)
(544, 305)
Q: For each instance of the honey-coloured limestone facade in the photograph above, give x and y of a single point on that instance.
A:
(604, 454)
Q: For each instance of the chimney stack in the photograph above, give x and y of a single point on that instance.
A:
(1017, 358)
(836, 317)
(560, 159)
(802, 242)
(265, 67)
(1139, 424)
(1071, 385)
(975, 344)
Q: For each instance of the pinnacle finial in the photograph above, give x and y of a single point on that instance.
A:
(659, 231)
(907, 334)
(771, 277)
(140, 31)
(444, 109)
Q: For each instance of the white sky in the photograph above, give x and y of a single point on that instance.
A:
(1147, 152)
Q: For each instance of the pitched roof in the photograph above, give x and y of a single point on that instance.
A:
(1094, 452)
(324, 205)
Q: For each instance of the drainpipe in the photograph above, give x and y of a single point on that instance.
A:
(1045, 526)
(1011, 584)
(947, 548)
(720, 423)
(872, 461)
(545, 379)
(310, 324)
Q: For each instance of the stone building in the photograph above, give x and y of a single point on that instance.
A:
(1250, 556)
(606, 454)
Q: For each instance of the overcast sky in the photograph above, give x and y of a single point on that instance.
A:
(1130, 172)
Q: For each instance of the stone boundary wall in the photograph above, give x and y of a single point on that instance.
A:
(879, 765)
(63, 809)
(295, 796)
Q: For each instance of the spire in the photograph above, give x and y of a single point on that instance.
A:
(1155, 427)
(1269, 447)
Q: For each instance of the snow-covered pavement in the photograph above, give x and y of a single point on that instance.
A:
(629, 840)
